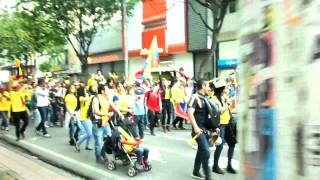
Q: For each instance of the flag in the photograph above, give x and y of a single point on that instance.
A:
(152, 59)
(139, 74)
(181, 113)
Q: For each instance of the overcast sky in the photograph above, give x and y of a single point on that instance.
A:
(7, 3)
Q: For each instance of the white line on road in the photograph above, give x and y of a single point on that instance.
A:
(181, 139)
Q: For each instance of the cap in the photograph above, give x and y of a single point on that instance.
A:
(220, 83)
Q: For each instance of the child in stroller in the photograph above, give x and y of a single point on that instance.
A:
(122, 146)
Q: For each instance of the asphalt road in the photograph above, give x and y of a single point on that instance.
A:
(170, 155)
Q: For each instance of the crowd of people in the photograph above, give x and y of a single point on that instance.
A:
(94, 108)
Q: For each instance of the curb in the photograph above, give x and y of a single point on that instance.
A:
(71, 167)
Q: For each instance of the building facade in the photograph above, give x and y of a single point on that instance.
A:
(180, 33)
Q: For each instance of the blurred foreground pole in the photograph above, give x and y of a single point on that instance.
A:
(125, 39)
(279, 106)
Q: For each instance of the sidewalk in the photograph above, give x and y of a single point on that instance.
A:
(16, 166)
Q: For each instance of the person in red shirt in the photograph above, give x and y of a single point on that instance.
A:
(153, 102)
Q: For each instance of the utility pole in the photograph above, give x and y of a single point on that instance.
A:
(125, 40)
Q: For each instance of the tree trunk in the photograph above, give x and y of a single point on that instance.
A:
(84, 72)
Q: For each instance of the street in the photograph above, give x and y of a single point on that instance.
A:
(170, 155)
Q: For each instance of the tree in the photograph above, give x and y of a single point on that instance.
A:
(45, 67)
(23, 35)
(79, 19)
(218, 9)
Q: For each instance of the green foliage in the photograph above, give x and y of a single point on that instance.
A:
(45, 67)
(23, 34)
(77, 18)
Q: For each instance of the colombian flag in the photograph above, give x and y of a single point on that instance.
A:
(153, 60)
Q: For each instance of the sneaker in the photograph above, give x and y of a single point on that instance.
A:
(168, 128)
(197, 175)
(182, 128)
(231, 170)
(77, 148)
(164, 129)
(47, 135)
(89, 148)
(174, 126)
(217, 170)
(6, 129)
(71, 143)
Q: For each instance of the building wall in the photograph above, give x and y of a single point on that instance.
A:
(135, 28)
(176, 32)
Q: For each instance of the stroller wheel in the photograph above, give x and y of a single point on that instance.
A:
(132, 172)
(111, 166)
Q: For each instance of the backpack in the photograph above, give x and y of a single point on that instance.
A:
(214, 121)
(91, 114)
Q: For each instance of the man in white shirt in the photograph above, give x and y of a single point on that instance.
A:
(42, 95)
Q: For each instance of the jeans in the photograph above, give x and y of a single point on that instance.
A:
(74, 128)
(202, 156)
(107, 131)
(17, 116)
(4, 116)
(219, 148)
(35, 116)
(146, 118)
(141, 151)
(44, 116)
(86, 135)
(98, 134)
(139, 124)
(166, 112)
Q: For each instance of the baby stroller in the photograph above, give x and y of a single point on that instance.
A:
(120, 147)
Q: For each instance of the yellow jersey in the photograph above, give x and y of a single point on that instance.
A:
(4, 102)
(121, 101)
(71, 101)
(126, 137)
(178, 94)
(105, 105)
(224, 116)
(84, 107)
(18, 101)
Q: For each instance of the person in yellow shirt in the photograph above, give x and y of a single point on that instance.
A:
(132, 145)
(72, 113)
(121, 100)
(92, 81)
(100, 118)
(167, 106)
(223, 106)
(178, 97)
(84, 100)
(4, 107)
(19, 109)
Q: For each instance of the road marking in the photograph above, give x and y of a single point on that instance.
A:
(182, 139)
(75, 162)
